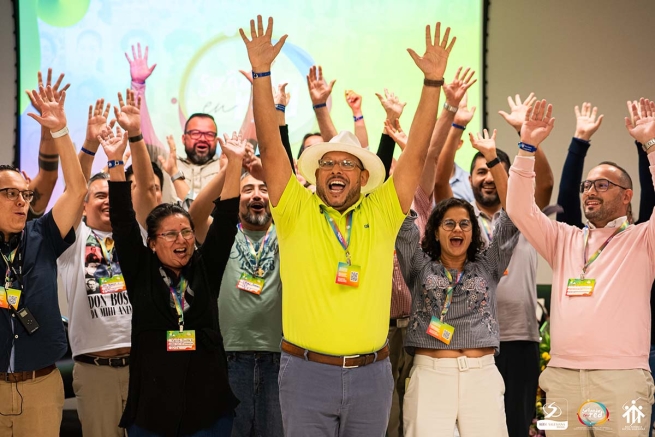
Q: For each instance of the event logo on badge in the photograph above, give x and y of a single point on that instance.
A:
(634, 415)
(555, 415)
(593, 413)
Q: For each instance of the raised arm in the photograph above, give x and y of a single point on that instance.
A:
(354, 100)
(169, 165)
(487, 146)
(68, 209)
(248, 130)
(390, 135)
(411, 258)
(96, 126)
(128, 116)
(433, 65)
(319, 93)
(46, 179)
(221, 185)
(261, 52)
(568, 196)
(281, 100)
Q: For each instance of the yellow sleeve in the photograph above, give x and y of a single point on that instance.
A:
(385, 199)
(288, 209)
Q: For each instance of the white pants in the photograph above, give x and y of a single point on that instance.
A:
(444, 390)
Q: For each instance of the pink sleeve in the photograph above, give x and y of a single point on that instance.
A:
(537, 228)
(147, 129)
(423, 207)
(651, 221)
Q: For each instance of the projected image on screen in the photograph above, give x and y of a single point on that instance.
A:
(198, 54)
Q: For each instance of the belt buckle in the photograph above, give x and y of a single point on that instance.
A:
(345, 357)
(402, 323)
(462, 363)
(95, 361)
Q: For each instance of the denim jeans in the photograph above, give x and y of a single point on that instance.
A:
(322, 400)
(253, 379)
(221, 428)
(651, 363)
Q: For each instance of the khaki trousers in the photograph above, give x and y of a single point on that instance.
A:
(444, 390)
(626, 395)
(101, 393)
(33, 407)
(401, 364)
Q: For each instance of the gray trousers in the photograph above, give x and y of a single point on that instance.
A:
(320, 400)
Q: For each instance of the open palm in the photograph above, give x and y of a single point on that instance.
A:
(261, 51)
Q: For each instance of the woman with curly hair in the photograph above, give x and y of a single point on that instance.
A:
(453, 330)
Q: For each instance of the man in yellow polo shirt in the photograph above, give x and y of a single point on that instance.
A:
(336, 254)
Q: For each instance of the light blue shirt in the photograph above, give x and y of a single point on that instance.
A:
(461, 186)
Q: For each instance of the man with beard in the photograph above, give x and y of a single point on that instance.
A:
(250, 306)
(602, 277)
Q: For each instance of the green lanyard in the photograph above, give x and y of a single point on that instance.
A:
(594, 257)
(449, 292)
(344, 241)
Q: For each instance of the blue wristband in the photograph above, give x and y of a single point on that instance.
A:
(320, 105)
(280, 107)
(357, 118)
(527, 147)
(258, 75)
(459, 126)
(88, 152)
(114, 163)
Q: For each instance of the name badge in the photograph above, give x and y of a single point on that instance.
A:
(177, 341)
(250, 283)
(348, 274)
(440, 330)
(580, 287)
(115, 284)
(9, 296)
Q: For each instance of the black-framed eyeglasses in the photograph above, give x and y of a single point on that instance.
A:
(599, 185)
(449, 225)
(12, 194)
(345, 164)
(171, 236)
(196, 134)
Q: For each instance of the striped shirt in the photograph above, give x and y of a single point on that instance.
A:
(473, 309)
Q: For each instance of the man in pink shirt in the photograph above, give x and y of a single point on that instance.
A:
(602, 276)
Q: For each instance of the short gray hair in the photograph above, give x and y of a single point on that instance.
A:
(96, 177)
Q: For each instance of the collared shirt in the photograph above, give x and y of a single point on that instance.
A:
(460, 185)
(40, 247)
(613, 224)
(317, 313)
(197, 176)
(517, 290)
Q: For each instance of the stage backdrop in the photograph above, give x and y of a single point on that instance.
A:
(198, 52)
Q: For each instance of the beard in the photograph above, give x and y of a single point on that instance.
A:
(488, 201)
(351, 197)
(256, 219)
(196, 159)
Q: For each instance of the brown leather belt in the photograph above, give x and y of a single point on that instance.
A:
(24, 376)
(347, 362)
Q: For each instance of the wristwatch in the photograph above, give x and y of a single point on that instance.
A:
(493, 162)
(178, 175)
(450, 108)
(648, 145)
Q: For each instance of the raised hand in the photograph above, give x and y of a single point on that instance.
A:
(642, 125)
(261, 51)
(354, 100)
(391, 104)
(434, 60)
(233, 147)
(636, 103)
(586, 123)
(114, 145)
(169, 165)
(128, 114)
(518, 109)
(464, 115)
(538, 123)
(52, 115)
(484, 144)
(456, 90)
(97, 122)
(396, 132)
(281, 97)
(319, 89)
(55, 88)
(139, 70)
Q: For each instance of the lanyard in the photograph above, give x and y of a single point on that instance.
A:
(587, 262)
(449, 292)
(178, 300)
(9, 262)
(255, 256)
(344, 241)
(107, 254)
(486, 226)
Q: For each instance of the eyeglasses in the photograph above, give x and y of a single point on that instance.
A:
(171, 236)
(449, 225)
(345, 164)
(12, 194)
(196, 134)
(599, 185)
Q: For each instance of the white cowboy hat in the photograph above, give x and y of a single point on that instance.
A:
(348, 143)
